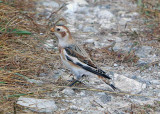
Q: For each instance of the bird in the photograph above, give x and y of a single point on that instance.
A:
(75, 58)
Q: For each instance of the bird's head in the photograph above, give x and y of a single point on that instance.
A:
(63, 34)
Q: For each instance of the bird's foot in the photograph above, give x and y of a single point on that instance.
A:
(74, 82)
(71, 80)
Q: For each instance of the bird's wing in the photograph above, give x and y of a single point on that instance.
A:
(79, 57)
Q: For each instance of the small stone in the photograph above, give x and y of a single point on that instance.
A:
(89, 41)
(156, 82)
(81, 2)
(123, 21)
(80, 26)
(150, 69)
(50, 4)
(133, 14)
(144, 51)
(105, 14)
(134, 77)
(105, 98)
(68, 91)
(38, 105)
(82, 93)
(142, 62)
(89, 29)
(127, 84)
(115, 65)
(144, 86)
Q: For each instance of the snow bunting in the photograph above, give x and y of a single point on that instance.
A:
(76, 58)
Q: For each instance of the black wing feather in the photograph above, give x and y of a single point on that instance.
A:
(70, 51)
(90, 69)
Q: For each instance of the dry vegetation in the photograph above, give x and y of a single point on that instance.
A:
(150, 11)
(22, 56)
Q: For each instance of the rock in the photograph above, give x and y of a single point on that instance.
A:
(144, 51)
(89, 29)
(134, 77)
(50, 4)
(121, 46)
(81, 2)
(123, 21)
(74, 5)
(115, 65)
(38, 105)
(73, 107)
(104, 14)
(132, 14)
(127, 84)
(82, 93)
(105, 98)
(142, 62)
(68, 91)
(156, 82)
(80, 26)
(89, 41)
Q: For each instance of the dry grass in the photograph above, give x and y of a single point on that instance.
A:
(150, 11)
(22, 54)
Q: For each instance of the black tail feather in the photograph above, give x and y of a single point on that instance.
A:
(113, 87)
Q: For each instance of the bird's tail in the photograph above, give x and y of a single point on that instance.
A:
(108, 83)
(113, 87)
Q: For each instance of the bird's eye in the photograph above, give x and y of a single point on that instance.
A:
(58, 29)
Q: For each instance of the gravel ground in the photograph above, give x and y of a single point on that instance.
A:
(97, 24)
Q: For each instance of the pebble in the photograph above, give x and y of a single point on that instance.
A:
(144, 51)
(105, 14)
(89, 29)
(105, 98)
(49, 3)
(38, 105)
(68, 91)
(89, 41)
(115, 65)
(156, 82)
(127, 84)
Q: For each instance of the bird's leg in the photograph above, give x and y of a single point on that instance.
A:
(70, 85)
(75, 81)
(71, 80)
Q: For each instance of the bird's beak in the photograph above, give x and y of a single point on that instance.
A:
(52, 29)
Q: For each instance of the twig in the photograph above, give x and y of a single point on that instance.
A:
(111, 92)
(54, 12)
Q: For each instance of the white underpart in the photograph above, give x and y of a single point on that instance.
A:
(78, 72)
(63, 42)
